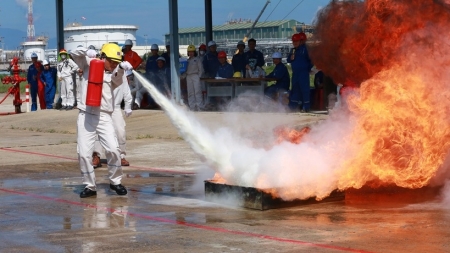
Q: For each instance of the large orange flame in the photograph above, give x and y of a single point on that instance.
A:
(398, 51)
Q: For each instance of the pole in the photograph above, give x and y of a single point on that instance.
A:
(256, 21)
(27, 97)
(174, 53)
(208, 21)
(59, 24)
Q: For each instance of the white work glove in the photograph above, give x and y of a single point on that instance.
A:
(91, 53)
(128, 112)
(125, 65)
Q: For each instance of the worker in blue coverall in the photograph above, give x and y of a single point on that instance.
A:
(281, 74)
(210, 61)
(151, 65)
(48, 78)
(225, 69)
(301, 66)
(253, 57)
(32, 75)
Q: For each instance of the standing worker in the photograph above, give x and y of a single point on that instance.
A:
(210, 61)
(131, 56)
(97, 120)
(301, 66)
(48, 78)
(33, 78)
(201, 56)
(193, 73)
(166, 54)
(239, 60)
(121, 93)
(253, 57)
(151, 64)
(66, 67)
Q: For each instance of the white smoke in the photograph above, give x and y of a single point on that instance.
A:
(297, 171)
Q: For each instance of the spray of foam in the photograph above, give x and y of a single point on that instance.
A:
(299, 171)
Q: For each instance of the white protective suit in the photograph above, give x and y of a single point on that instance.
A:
(65, 69)
(93, 121)
(137, 91)
(121, 93)
(194, 88)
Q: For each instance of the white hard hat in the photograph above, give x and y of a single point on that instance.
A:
(154, 47)
(211, 43)
(276, 55)
(128, 42)
(34, 55)
(45, 62)
(161, 59)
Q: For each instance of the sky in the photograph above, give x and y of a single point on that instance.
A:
(151, 16)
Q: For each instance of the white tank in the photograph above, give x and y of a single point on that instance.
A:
(76, 35)
(37, 47)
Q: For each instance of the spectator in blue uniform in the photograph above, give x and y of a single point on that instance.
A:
(238, 60)
(162, 81)
(253, 57)
(210, 61)
(225, 69)
(48, 78)
(33, 72)
(151, 64)
(281, 74)
(301, 66)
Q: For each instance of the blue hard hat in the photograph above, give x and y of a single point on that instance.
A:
(34, 55)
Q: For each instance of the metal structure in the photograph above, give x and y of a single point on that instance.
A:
(30, 28)
(15, 80)
(75, 34)
(259, 199)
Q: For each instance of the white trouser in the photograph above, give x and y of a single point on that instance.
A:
(67, 91)
(88, 127)
(119, 127)
(79, 80)
(194, 90)
(138, 91)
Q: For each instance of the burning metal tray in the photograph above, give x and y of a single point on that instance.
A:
(255, 198)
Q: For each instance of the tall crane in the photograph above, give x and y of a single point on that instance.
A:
(30, 28)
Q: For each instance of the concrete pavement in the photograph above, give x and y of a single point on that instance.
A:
(165, 210)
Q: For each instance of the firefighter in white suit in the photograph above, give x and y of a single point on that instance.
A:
(97, 120)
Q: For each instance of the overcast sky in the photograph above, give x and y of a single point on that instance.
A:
(151, 16)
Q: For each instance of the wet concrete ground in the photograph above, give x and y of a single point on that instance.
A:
(165, 210)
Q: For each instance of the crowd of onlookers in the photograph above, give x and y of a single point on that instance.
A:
(202, 62)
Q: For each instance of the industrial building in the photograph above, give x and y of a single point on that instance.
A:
(271, 36)
(75, 34)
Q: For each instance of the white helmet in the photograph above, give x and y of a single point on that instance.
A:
(276, 55)
(211, 43)
(161, 59)
(128, 42)
(154, 47)
(34, 55)
(45, 62)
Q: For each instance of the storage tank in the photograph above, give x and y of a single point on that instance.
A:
(75, 34)
(37, 47)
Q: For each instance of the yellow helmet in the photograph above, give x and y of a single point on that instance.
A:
(237, 74)
(112, 51)
(191, 48)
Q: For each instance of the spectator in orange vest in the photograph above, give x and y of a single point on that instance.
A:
(130, 55)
